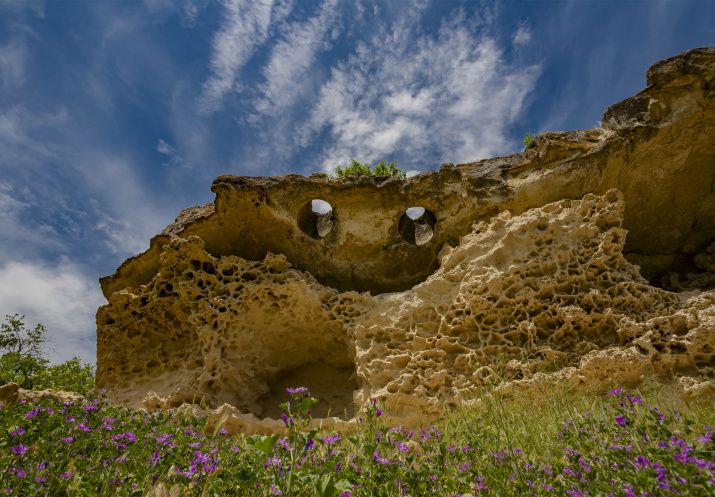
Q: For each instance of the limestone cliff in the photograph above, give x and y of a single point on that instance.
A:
(588, 256)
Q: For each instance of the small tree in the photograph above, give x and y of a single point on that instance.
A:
(382, 169)
(24, 360)
(23, 351)
(71, 376)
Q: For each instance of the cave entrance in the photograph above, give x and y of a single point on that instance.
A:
(332, 385)
(417, 225)
(280, 338)
(316, 219)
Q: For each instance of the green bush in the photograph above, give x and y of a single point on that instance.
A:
(529, 140)
(382, 169)
(24, 361)
(70, 376)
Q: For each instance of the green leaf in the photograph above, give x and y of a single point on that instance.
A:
(344, 486)
(311, 479)
(285, 406)
(12, 428)
(305, 405)
(325, 486)
(264, 444)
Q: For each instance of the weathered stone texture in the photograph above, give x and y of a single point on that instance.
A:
(588, 257)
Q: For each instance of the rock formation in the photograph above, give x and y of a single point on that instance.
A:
(589, 257)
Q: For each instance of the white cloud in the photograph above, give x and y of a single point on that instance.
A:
(522, 35)
(37, 6)
(292, 57)
(20, 238)
(60, 297)
(451, 94)
(191, 12)
(125, 214)
(13, 56)
(245, 27)
(166, 149)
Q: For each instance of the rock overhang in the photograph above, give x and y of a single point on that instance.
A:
(656, 148)
(662, 136)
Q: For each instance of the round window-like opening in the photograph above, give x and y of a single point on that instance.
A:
(417, 225)
(315, 218)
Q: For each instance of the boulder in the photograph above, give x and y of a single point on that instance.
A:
(9, 394)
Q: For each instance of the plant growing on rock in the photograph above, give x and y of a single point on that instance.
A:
(529, 140)
(381, 169)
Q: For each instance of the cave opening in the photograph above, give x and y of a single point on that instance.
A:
(416, 225)
(316, 218)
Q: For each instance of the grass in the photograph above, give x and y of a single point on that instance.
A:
(641, 442)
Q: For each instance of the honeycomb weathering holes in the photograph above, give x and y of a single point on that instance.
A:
(315, 218)
(417, 225)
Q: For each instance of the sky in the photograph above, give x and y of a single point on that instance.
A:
(116, 115)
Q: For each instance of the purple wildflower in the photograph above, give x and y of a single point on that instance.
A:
(402, 447)
(706, 438)
(621, 420)
(274, 461)
(20, 431)
(201, 458)
(284, 443)
(83, 426)
(188, 473)
(331, 439)
(379, 459)
(20, 449)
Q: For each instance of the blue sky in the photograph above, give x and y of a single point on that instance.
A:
(115, 115)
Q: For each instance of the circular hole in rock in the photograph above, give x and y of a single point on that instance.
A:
(417, 225)
(315, 218)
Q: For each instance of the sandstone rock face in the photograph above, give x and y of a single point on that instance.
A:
(30, 395)
(9, 394)
(588, 257)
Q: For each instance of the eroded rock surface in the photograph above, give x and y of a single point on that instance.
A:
(584, 257)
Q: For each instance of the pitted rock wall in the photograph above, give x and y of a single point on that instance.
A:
(227, 331)
(546, 291)
(587, 258)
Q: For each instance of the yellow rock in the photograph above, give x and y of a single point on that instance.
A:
(586, 258)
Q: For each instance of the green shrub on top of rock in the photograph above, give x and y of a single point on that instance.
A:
(381, 169)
